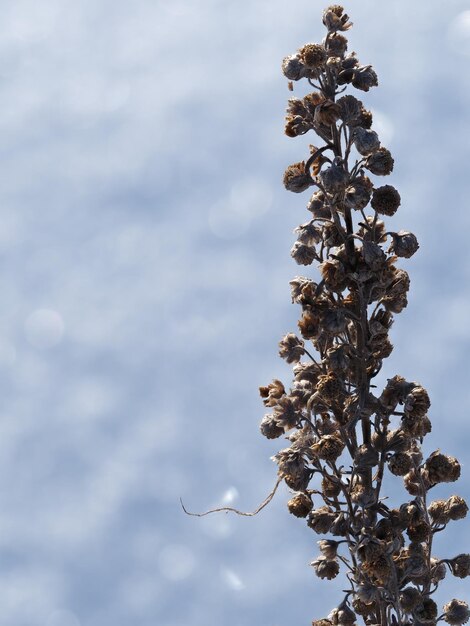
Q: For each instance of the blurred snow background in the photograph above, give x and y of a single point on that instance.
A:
(144, 247)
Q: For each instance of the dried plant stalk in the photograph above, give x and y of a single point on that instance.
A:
(343, 436)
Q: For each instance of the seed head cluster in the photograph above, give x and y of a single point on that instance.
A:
(344, 434)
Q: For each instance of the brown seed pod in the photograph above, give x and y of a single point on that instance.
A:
(300, 505)
(380, 162)
(270, 428)
(460, 565)
(296, 179)
(325, 568)
(410, 598)
(327, 113)
(320, 520)
(313, 56)
(456, 612)
(426, 612)
(399, 463)
(272, 392)
(441, 468)
(291, 348)
(386, 200)
(456, 508)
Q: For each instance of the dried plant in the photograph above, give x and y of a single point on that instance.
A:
(344, 434)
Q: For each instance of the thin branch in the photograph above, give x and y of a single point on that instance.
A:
(265, 502)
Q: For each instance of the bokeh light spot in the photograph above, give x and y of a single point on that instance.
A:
(232, 580)
(459, 33)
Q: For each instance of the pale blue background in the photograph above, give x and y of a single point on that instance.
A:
(144, 247)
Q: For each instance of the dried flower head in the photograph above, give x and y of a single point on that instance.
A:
(300, 505)
(296, 179)
(460, 565)
(335, 19)
(385, 200)
(410, 598)
(456, 612)
(441, 468)
(342, 616)
(303, 254)
(366, 141)
(380, 162)
(325, 568)
(291, 348)
(364, 78)
(313, 56)
(320, 520)
(404, 244)
(456, 508)
(334, 178)
(293, 68)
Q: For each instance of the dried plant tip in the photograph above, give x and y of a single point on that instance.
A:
(291, 348)
(456, 612)
(296, 179)
(404, 244)
(313, 56)
(300, 505)
(380, 163)
(325, 568)
(460, 565)
(386, 200)
(366, 141)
